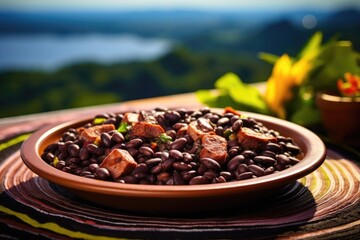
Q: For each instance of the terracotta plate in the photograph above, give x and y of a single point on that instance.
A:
(175, 199)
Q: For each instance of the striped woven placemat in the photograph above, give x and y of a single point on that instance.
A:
(323, 205)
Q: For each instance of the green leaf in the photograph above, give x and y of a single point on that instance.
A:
(164, 138)
(124, 127)
(313, 44)
(234, 93)
(268, 57)
(98, 121)
(337, 58)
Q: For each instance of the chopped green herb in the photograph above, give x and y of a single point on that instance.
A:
(124, 127)
(56, 161)
(99, 120)
(227, 133)
(164, 138)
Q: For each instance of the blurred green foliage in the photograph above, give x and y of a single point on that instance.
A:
(85, 84)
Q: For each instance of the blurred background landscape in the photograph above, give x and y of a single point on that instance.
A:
(73, 54)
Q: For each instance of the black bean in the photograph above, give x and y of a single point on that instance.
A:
(117, 137)
(171, 133)
(226, 175)
(219, 130)
(146, 151)
(205, 110)
(60, 164)
(237, 125)
(214, 118)
(273, 147)
(74, 150)
(292, 148)
(127, 179)
(153, 161)
(172, 116)
(248, 154)
(181, 166)
(176, 154)
(283, 159)
(234, 162)
(84, 173)
(178, 126)
(242, 168)
(256, 170)
(178, 144)
(268, 154)
(233, 151)
(49, 157)
(92, 148)
(210, 163)
(198, 180)
(204, 124)
(156, 169)
(233, 143)
(210, 175)
(178, 180)
(84, 153)
(111, 120)
(223, 121)
(134, 143)
(167, 165)
(140, 175)
(187, 175)
(264, 160)
(187, 157)
(269, 170)
(63, 156)
(133, 152)
(245, 175)
(51, 147)
(93, 167)
(294, 160)
(193, 150)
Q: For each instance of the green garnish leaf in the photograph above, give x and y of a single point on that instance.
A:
(164, 138)
(227, 133)
(124, 127)
(98, 121)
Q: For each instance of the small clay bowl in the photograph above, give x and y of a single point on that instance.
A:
(167, 199)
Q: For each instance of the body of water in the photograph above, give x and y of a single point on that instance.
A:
(50, 52)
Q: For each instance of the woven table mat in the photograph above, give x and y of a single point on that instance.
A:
(323, 205)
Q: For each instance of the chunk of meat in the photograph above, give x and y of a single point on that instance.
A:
(92, 134)
(250, 139)
(119, 163)
(131, 118)
(215, 147)
(231, 110)
(146, 129)
(197, 131)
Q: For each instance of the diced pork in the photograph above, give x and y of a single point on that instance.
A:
(250, 139)
(92, 134)
(131, 118)
(146, 129)
(197, 131)
(215, 147)
(119, 163)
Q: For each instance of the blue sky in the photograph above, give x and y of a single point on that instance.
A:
(31, 5)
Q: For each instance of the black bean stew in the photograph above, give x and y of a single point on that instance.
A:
(172, 147)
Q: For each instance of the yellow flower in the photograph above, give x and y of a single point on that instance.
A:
(284, 77)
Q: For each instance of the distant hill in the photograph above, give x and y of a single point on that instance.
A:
(180, 24)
